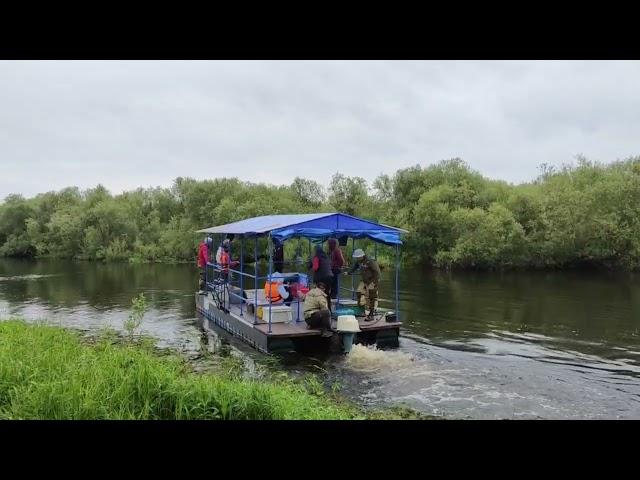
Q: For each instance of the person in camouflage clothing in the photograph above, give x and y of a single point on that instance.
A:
(367, 290)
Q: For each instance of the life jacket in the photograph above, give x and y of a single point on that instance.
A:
(271, 291)
(224, 260)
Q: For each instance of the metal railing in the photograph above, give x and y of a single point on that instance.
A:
(226, 274)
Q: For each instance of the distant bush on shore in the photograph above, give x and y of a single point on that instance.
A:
(584, 214)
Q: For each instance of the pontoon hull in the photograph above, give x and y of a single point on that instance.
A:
(383, 335)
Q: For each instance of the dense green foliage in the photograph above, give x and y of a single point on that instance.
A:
(49, 373)
(578, 215)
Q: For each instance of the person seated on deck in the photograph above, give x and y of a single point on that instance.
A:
(368, 287)
(203, 258)
(316, 309)
(276, 290)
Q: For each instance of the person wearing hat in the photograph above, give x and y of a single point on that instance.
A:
(203, 258)
(276, 290)
(316, 309)
(367, 290)
(224, 258)
(221, 249)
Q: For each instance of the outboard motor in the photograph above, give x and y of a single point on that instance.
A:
(348, 327)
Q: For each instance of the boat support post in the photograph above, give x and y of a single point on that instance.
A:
(241, 274)
(353, 249)
(270, 246)
(255, 281)
(397, 282)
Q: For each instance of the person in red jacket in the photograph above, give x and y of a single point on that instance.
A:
(203, 258)
(225, 259)
(337, 262)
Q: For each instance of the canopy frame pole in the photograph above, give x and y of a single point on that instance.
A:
(298, 300)
(353, 249)
(241, 274)
(255, 281)
(228, 280)
(298, 251)
(338, 286)
(270, 245)
(397, 282)
(206, 266)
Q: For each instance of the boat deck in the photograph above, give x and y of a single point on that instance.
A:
(286, 335)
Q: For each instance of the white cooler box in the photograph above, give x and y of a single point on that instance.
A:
(279, 313)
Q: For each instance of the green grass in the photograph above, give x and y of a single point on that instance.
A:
(48, 372)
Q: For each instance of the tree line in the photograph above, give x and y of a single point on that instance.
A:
(573, 215)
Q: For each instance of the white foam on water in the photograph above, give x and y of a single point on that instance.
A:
(370, 359)
(28, 277)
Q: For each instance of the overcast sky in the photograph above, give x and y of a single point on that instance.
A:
(142, 123)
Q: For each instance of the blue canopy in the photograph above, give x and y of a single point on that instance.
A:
(313, 225)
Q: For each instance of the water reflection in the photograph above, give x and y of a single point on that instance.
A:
(584, 309)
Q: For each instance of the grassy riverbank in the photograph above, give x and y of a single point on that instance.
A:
(51, 373)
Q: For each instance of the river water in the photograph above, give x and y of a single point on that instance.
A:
(560, 345)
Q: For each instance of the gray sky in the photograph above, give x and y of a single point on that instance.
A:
(143, 123)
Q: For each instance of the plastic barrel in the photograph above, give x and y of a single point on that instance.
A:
(347, 341)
